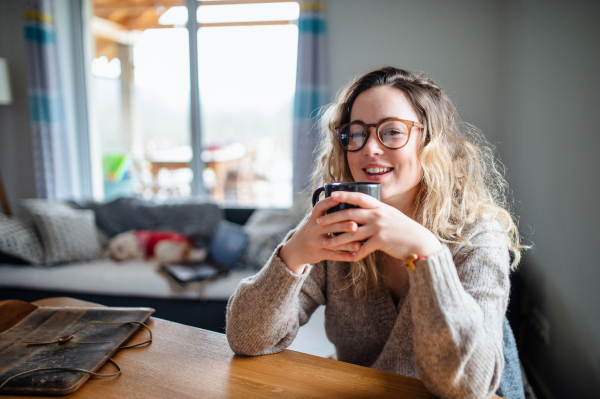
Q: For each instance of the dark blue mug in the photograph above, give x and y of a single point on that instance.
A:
(372, 189)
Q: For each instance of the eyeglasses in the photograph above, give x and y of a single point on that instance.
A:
(392, 133)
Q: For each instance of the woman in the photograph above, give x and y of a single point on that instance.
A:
(443, 202)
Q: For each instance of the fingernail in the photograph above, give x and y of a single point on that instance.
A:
(326, 242)
(318, 221)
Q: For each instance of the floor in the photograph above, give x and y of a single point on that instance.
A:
(311, 337)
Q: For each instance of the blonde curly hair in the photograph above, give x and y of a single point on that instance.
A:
(462, 181)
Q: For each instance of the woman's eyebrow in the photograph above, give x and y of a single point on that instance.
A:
(381, 120)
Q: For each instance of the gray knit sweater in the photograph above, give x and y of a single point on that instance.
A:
(447, 329)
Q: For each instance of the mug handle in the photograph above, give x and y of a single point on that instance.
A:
(315, 197)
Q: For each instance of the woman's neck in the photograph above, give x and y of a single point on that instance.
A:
(404, 203)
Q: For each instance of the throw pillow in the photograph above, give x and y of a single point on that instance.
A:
(19, 239)
(199, 220)
(266, 229)
(67, 234)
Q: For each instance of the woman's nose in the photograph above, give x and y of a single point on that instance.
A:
(373, 146)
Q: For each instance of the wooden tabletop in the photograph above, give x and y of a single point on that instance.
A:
(188, 362)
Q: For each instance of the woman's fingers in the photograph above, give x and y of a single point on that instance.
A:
(362, 200)
(349, 247)
(362, 242)
(357, 225)
(360, 216)
(322, 206)
(343, 227)
(368, 247)
(362, 233)
(338, 255)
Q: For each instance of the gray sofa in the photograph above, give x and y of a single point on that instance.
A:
(139, 282)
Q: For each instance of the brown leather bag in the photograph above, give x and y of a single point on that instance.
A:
(54, 350)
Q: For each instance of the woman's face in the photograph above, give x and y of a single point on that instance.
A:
(399, 171)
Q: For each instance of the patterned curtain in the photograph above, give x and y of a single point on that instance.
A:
(312, 92)
(49, 139)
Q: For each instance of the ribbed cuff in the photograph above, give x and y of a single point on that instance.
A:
(437, 274)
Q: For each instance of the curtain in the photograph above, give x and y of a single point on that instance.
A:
(312, 81)
(49, 140)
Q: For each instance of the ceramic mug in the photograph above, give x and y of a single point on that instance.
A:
(372, 189)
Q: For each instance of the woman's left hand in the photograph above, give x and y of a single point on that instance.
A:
(384, 227)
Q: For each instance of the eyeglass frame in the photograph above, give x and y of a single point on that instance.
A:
(409, 125)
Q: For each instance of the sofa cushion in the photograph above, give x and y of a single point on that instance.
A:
(67, 234)
(198, 220)
(131, 278)
(266, 228)
(18, 239)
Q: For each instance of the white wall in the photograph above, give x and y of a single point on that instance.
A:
(16, 158)
(453, 42)
(551, 143)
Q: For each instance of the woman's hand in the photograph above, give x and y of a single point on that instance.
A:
(383, 227)
(308, 244)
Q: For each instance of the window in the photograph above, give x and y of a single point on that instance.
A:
(141, 99)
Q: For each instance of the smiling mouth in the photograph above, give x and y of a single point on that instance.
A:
(377, 171)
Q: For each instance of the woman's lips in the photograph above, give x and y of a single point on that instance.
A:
(377, 173)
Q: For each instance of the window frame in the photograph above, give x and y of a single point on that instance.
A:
(90, 177)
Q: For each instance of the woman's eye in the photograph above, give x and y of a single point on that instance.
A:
(392, 133)
(357, 136)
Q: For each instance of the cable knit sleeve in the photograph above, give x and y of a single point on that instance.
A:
(266, 310)
(458, 308)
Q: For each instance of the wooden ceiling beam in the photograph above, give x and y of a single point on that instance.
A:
(146, 20)
(117, 15)
(113, 31)
(103, 12)
(143, 3)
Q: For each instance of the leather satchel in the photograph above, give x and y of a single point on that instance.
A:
(54, 350)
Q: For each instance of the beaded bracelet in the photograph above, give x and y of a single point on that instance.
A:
(410, 261)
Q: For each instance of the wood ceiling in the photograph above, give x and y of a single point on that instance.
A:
(118, 21)
(134, 14)
(115, 19)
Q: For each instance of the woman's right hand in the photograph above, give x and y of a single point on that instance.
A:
(307, 245)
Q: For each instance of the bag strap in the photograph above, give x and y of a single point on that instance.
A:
(67, 338)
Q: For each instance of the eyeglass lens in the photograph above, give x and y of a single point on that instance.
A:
(392, 134)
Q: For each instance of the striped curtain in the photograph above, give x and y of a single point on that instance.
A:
(312, 92)
(49, 139)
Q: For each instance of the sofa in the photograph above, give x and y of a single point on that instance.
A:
(59, 249)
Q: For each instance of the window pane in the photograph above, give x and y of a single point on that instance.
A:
(140, 100)
(247, 83)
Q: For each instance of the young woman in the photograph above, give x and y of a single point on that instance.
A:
(443, 214)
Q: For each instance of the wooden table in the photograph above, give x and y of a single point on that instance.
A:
(188, 362)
